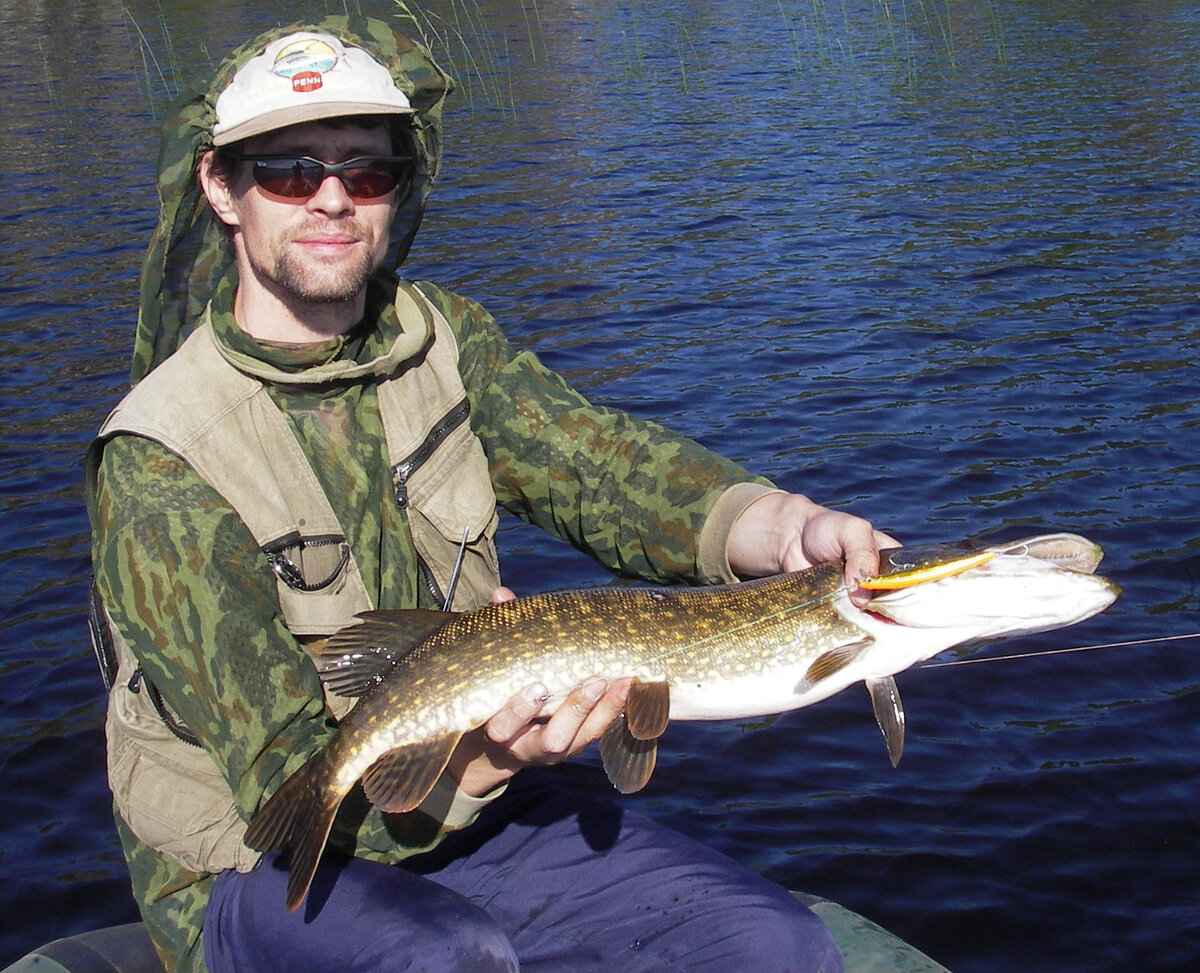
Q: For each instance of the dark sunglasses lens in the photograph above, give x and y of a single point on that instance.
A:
(301, 178)
(371, 180)
(290, 178)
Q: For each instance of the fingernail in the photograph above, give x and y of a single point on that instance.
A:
(594, 689)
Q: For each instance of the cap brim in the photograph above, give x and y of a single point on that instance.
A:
(299, 114)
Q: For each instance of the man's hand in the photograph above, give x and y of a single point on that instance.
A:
(787, 532)
(518, 736)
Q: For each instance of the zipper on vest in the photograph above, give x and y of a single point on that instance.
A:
(178, 728)
(289, 572)
(102, 642)
(431, 584)
(402, 472)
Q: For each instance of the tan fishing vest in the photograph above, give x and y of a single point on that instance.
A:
(224, 424)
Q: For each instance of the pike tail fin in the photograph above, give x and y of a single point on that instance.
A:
(298, 816)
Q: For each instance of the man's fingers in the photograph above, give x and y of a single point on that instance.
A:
(862, 563)
(607, 709)
(580, 719)
(511, 721)
(558, 737)
(597, 712)
(862, 558)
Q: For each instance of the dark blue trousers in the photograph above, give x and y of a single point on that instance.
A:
(546, 881)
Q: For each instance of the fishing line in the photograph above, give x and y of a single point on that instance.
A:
(1078, 648)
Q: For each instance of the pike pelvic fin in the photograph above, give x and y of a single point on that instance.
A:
(629, 762)
(648, 709)
(402, 778)
(358, 657)
(889, 714)
(629, 747)
(299, 815)
(827, 663)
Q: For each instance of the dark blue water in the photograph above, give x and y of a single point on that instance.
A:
(934, 263)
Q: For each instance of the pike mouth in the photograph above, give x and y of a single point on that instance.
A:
(883, 619)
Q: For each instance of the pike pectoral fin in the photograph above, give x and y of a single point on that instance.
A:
(889, 714)
(357, 657)
(648, 709)
(402, 778)
(827, 663)
(628, 761)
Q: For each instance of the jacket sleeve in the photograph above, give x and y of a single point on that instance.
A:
(187, 586)
(183, 579)
(643, 501)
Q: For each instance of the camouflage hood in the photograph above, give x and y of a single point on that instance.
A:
(188, 252)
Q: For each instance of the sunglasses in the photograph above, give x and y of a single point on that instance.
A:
(300, 176)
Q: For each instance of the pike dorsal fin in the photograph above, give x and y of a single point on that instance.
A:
(629, 762)
(357, 658)
(648, 709)
(889, 714)
(827, 663)
(402, 778)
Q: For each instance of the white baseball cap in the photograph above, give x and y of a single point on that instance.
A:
(301, 78)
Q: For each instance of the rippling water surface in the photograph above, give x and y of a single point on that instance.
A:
(931, 262)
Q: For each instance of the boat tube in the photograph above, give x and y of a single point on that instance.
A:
(867, 948)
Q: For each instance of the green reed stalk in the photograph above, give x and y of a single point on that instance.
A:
(52, 81)
(480, 72)
(997, 27)
(820, 28)
(793, 36)
(169, 79)
(850, 53)
(936, 24)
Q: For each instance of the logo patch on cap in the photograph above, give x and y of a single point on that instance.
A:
(306, 81)
(305, 61)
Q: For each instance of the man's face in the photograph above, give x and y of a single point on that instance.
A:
(319, 250)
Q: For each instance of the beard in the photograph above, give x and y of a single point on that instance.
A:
(309, 280)
(323, 284)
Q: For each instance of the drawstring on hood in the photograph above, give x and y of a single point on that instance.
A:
(190, 252)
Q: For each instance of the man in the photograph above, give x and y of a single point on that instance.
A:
(310, 437)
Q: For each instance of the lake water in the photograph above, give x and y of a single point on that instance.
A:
(933, 262)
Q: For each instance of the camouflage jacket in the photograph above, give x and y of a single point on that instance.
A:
(191, 593)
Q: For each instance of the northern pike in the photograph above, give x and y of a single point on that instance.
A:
(722, 652)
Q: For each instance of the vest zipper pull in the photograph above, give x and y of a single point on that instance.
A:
(400, 480)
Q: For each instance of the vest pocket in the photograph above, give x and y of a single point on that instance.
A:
(447, 493)
(308, 563)
(317, 581)
(169, 793)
